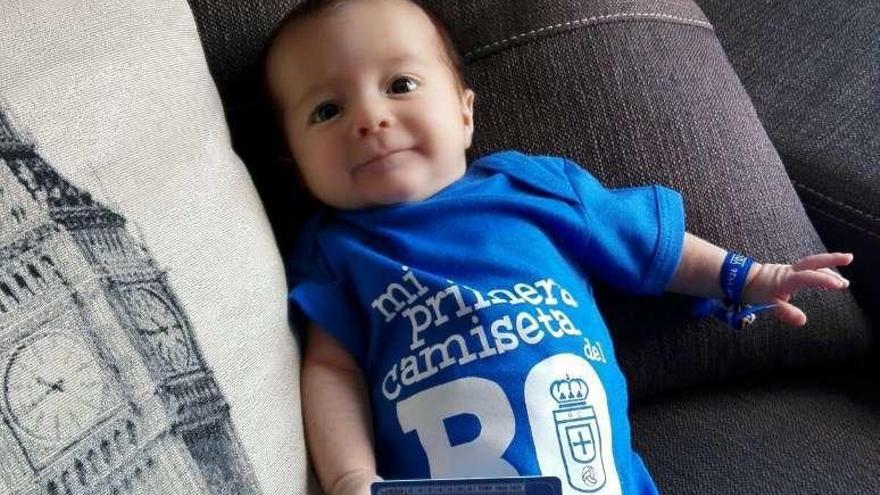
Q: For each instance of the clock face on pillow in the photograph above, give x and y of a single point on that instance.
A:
(53, 387)
(158, 323)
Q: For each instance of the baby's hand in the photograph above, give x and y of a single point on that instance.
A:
(775, 284)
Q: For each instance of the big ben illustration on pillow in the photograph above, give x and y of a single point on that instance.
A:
(103, 387)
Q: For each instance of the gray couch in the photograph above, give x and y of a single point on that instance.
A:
(766, 115)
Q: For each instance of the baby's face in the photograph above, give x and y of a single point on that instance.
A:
(372, 113)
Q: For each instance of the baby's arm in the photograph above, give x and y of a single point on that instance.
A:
(337, 417)
(698, 275)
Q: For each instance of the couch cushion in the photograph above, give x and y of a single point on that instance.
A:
(815, 433)
(812, 69)
(639, 92)
(144, 346)
(233, 35)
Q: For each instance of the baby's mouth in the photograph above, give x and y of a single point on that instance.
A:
(376, 159)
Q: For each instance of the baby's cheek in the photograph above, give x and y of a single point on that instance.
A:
(317, 180)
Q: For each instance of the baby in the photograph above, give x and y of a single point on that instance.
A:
(452, 326)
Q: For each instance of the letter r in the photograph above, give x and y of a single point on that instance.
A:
(426, 411)
(412, 313)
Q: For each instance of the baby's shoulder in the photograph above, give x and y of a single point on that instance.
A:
(308, 249)
(548, 174)
(511, 160)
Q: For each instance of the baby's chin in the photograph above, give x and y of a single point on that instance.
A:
(395, 191)
(399, 196)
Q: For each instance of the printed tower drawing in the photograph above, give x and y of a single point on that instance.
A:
(103, 388)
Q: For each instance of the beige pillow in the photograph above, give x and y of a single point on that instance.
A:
(144, 343)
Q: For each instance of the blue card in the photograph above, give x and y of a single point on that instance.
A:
(525, 485)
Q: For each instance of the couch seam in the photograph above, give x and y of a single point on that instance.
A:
(586, 20)
(837, 202)
(841, 220)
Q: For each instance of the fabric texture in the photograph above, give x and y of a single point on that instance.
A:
(484, 351)
(233, 35)
(817, 431)
(812, 70)
(144, 343)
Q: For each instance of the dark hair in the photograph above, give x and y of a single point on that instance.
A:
(312, 8)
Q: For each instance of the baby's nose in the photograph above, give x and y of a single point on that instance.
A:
(373, 126)
(371, 117)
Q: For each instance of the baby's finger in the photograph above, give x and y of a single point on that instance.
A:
(816, 261)
(838, 276)
(789, 314)
(811, 279)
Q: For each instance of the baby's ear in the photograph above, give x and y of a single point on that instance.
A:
(467, 112)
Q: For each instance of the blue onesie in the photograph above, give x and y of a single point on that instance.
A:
(472, 316)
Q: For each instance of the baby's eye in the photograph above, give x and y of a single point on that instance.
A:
(403, 84)
(325, 111)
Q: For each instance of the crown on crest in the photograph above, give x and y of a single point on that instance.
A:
(569, 392)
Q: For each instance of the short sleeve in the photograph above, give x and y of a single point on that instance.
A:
(317, 294)
(636, 234)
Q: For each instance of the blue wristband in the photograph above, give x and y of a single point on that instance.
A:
(733, 276)
(736, 317)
